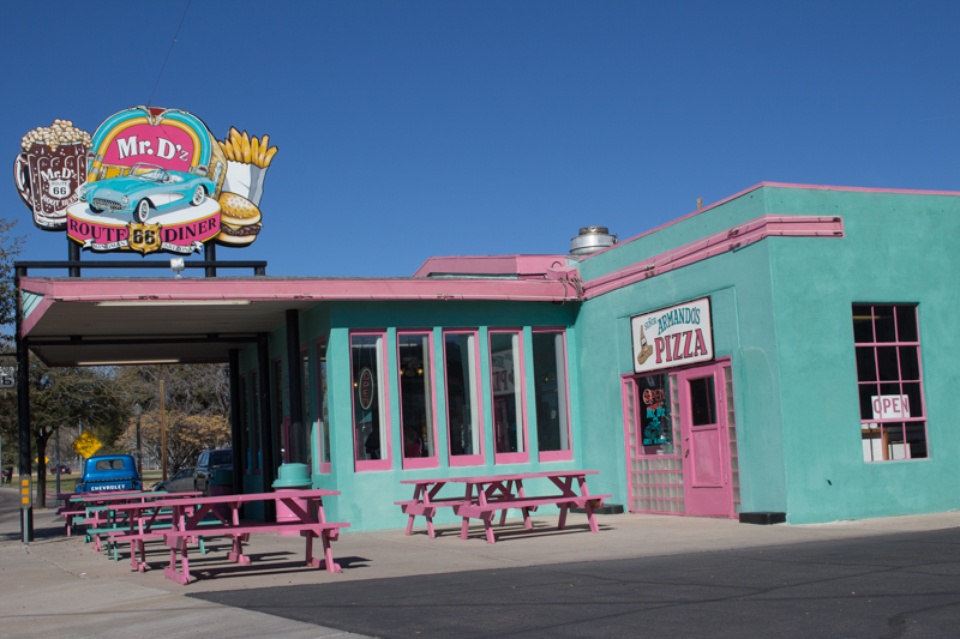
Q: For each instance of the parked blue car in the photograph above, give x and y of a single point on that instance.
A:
(147, 188)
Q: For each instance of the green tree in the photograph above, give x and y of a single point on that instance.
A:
(196, 406)
(65, 397)
(10, 247)
(186, 436)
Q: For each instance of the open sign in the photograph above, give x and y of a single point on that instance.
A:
(890, 406)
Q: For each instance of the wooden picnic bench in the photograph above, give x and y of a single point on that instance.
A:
(483, 496)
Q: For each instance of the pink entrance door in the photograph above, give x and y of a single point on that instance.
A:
(706, 451)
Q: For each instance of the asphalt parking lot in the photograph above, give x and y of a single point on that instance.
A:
(643, 576)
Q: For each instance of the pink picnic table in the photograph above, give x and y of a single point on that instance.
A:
(219, 516)
(96, 507)
(482, 496)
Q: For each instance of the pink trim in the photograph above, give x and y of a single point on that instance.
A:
(560, 455)
(556, 455)
(781, 185)
(731, 239)
(433, 461)
(477, 458)
(294, 290)
(385, 461)
(322, 466)
(522, 266)
(628, 399)
(30, 321)
(520, 379)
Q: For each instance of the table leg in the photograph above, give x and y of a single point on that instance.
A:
(170, 572)
(563, 517)
(488, 527)
(327, 562)
(588, 507)
(236, 554)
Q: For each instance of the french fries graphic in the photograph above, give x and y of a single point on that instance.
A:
(241, 147)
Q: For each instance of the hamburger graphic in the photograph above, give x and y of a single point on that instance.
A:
(239, 220)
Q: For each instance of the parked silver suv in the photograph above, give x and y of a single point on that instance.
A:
(210, 462)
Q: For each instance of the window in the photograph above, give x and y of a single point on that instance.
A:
(323, 430)
(889, 382)
(414, 361)
(507, 388)
(463, 409)
(371, 441)
(550, 395)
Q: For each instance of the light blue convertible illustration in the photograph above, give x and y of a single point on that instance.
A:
(147, 188)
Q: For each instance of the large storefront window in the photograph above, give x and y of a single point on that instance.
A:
(414, 359)
(370, 411)
(507, 388)
(323, 427)
(550, 394)
(463, 409)
(889, 381)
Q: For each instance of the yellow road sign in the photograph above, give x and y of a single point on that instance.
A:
(86, 445)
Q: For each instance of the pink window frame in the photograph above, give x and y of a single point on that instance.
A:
(875, 346)
(523, 427)
(324, 467)
(559, 455)
(433, 461)
(477, 458)
(385, 461)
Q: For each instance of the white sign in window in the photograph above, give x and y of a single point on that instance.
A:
(890, 406)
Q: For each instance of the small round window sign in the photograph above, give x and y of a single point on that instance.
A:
(366, 388)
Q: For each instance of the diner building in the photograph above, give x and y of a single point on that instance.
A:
(785, 353)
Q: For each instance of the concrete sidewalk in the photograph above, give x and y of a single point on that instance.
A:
(59, 586)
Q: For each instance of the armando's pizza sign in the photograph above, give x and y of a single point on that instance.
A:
(147, 180)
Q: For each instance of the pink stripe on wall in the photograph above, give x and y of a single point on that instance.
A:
(729, 240)
(781, 185)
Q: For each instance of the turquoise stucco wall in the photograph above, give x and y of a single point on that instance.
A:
(781, 312)
(738, 285)
(899, 248)
(367, 498)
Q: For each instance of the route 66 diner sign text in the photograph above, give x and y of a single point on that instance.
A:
(675, 336)
(147, 180)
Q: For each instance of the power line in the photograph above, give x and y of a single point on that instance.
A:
(169, 51)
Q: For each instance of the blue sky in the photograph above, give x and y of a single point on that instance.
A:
(459, 127)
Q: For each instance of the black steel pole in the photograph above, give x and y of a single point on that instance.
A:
(298, 438)
(23, 415)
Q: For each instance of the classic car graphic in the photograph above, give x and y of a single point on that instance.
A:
(147, 188)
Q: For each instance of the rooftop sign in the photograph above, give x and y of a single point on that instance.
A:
(147, 180)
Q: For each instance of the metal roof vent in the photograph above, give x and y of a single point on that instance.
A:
(591, 239)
